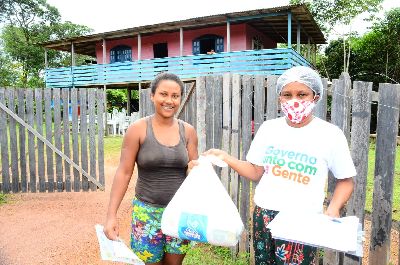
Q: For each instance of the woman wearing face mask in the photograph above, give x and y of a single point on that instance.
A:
(290, 157)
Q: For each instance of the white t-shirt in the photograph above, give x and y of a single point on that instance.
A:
(296, 163)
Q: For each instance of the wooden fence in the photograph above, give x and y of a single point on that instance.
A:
(222, 110)
(51, 140)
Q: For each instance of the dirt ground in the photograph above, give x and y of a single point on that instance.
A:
(58, 228)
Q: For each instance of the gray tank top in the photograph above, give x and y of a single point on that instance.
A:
(161, 168)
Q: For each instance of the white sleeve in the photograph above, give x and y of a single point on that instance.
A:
(340, 162)
(256, 153)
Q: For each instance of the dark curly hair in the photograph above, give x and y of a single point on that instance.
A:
(165, 76)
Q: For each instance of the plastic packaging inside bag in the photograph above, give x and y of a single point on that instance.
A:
(202, 210)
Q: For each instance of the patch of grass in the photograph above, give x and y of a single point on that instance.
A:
(3, 198)
(370, 182)
(211, 255)
(112, 146)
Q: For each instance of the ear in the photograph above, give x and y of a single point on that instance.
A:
(316, 99)
(152, 97)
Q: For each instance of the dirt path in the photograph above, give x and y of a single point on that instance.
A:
(58, 228)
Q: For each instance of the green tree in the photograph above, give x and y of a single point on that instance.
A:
(328, 14)
(28, 22)
(8, 71)
(375, 55)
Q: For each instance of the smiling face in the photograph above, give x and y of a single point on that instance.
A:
(167, 98)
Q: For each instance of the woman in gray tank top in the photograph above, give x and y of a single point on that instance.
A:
(162, 147)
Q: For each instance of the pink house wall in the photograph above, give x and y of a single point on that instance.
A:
(252, 32)
(240, 37)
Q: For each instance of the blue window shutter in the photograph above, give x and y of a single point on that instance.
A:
(112, 56)
(219, 44)
(120, 54)
(196, 47)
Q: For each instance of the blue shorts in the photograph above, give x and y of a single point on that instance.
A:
(147, 240)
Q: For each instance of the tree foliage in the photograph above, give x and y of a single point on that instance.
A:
(328, 13)
(375, 56)
(27, 23)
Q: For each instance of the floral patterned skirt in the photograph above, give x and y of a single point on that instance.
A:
(274, 251)
(147, 240)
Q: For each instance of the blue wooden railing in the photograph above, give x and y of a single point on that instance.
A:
(266, 62)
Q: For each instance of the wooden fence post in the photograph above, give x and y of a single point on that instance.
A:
(83, 127)
(226, 124)
(40, 144)
(13, 142)
(22, 141)
(272, 98)
(340, 116)
(361, 117)
(201, 110)
(4, 145)
(31, 140)
(57, 139)
(321, 107)
(385, 157)
(66, 132)
(247, 104)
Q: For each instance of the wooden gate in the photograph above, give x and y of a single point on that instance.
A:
(51, 140)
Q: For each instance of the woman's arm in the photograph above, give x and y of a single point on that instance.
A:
(243, 168)
(130, 147)
(192, 142)
(341, 194)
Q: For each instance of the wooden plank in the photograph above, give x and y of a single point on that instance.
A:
(100, 128)
(83, 133)
(226, 124)
(149, 104)
(22, 141)
(217, 112)
(31, 140)
(340, 115)
(259, 101)
(13, 142)
(92, 136)
(4, 145)
(385, 158)
(75, 145)
(40, 144)
(193, 108)
(188, 90)
(272, 98)
(361, 117)
(235, 145)
(201, 110)
(209, 112)
(49, 137)
(57, 138)
(247, 109)
(321, 107)
(66, 132)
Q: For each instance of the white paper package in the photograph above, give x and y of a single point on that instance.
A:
(202, 210)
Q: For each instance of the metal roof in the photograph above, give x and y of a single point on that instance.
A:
(273, 22)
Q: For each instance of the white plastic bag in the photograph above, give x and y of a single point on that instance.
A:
(202, 210)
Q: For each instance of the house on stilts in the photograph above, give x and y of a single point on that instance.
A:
(263, 41)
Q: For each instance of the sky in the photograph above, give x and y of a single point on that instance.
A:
(102, 16)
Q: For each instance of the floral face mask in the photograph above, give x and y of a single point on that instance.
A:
(297, 110)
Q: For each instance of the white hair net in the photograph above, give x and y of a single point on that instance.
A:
(301, 74)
